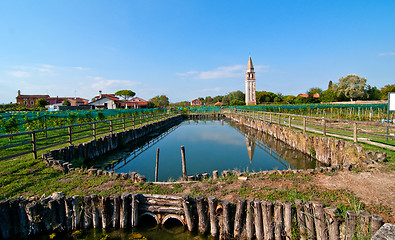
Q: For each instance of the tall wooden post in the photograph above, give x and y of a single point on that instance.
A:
(34, 146)
(304, 124)
(111, 126)
(355, 132)
(289, 121)
(270, 118)
(324, 127)
(279, 119)
(157, 165)
(45, 125)
(124, 124)
(184, 166)
(69, 133)
(212, 205)
(94, 130)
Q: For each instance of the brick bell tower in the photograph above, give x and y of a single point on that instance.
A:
(250, 84)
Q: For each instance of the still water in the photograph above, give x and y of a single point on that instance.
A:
(209, 145)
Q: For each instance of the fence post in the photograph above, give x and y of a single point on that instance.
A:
(94, 130)
(157, 165)
(111, 126)
(134, 119)
(324, 127)
(184, 167)
(124, 124)
(69, 133)
(45, 125)
(355, 132)
(270, 118)
(289, 121)
(304, 124)
(34, 146)
(279, 119)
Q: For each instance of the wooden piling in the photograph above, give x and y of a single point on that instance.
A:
(309, 218)
(96, 216)
(157, 165)
(125, 210)
(69, 213)
(188, 213)
(116, 210)
(134, 210)
(184, 165)
(250, 219)
(215, 174)
(201, 206)
(212, 205)
(300, 219)
(319, 221)
(288, 220)
(33, 214)
(225, 230)
(333, 223)
(87, 222)
(258, 219)
(364, 222)
(267, 217)
(106, 211)
(278, 220)
(239, 217)
(350, 225)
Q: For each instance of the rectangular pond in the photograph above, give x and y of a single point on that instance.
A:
(209, 145)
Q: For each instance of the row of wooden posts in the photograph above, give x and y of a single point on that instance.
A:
(184, 165)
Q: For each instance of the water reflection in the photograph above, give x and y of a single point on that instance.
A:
(210, 145)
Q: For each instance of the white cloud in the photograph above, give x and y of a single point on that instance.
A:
(107, 83)
(387, 54)
(234, 71)
(20, 74)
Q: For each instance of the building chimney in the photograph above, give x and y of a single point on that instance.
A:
(100, 94)
(19, 93)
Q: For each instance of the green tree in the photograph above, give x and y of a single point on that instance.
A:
(352, 86)
(42, 102)
(160, 101)
(290, 99)
(236, 102)
(373, 93)
(66, 102)
(386, 89)
(265, 97)
(125, 94)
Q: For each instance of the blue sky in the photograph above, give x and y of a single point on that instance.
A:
(189, 49)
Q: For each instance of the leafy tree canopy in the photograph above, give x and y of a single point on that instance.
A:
(125, 94)
(352, 86)
(386, 89)
(41, 102)
(160, 101)
(66, 102)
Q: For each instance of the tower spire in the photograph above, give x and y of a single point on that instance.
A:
(250, 66)
(250, 84)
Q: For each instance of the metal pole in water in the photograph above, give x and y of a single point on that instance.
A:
(184, 166)
(157, 165)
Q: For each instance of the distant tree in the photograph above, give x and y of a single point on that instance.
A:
(42, 102)
(386, 89)
(236, 102)
(217, 99)
(300, 100)
(265, 97)
(352, 86)
(237, 95)
(181, 104)
(373, 93)
(209, 100)
(125, 94)
(330, 85)
(290, 99)
(314, 90)
(328, 96)
(66, 103)
(160, 101)
(202, 100)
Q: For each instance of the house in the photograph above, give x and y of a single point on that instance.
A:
(218, 104)
(196, 102)
(110, 101)
(315, 95)
(29, 100)
(74, 101)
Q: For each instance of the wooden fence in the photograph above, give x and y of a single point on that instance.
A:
(47, 138)
(375, 133)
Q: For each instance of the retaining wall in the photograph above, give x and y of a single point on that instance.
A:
(245, 219)
(63, 158)
(324, 149)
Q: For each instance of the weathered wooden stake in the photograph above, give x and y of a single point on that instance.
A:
(355, 132)
(258, 219)
(212, 205)
(301, 219)
(215, 174)
(288, 220)
(364, 222)
(375, 223)
(239, 217)
(309, 218)
(267, 214)
(333, 223)
(184, 165)
(69, 213)
(116, 213)
(157, 165)
(106, 211)
(319, 221)
(250, 218)
(188, 213)
(134, 210)
(87, 223)
(324, 127)
(201, 206)
(278, 220)
(304, 124)
(125, 210)
(96, 216)
(350, 225)
(225, 230)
